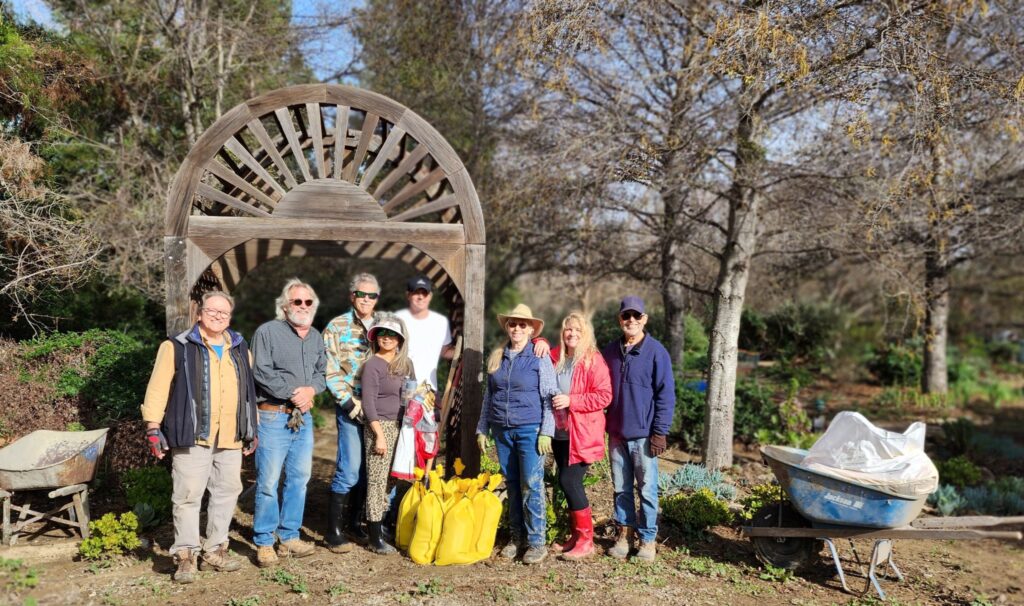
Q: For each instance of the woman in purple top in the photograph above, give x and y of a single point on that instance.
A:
(383, 377)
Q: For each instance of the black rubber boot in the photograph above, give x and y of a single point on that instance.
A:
(376, 543)
(335, 537)
(354, 514)
(391, 517)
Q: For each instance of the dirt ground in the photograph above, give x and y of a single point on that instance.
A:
(720, 570)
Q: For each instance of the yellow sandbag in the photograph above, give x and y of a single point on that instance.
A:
(486, 516)
(406, 523)
(429, 518)
(456, 545)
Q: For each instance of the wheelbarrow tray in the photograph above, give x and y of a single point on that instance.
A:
(51, 459)
(828, 501)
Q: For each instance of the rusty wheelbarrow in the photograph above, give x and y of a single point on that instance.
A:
(64, 461)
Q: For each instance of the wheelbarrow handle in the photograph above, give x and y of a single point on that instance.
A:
(967, 522)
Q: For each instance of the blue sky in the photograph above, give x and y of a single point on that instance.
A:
(324, 56)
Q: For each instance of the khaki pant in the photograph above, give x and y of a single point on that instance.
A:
(195, 470)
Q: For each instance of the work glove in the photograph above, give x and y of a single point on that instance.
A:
(157, 442)
(296, 421)
(481, 442)
(249, 446)
(658, 445)
(357, 409)
(544, 445)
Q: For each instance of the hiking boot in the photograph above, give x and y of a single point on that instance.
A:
(535, 554)
(583, 546)
(185, 560)
(219, 560)
(647, 551)
(337, 509)
(265, 556)
(376, 544)
(295, 548)
(510, 551)
(621, 548)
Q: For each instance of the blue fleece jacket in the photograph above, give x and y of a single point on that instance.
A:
(643, 389)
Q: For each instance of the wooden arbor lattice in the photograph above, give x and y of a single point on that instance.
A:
(328, 170)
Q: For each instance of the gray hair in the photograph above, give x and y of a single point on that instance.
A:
(362, 278)
(282, 301)
(216, 293)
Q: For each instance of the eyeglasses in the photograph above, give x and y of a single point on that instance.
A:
(516, 324)
(384, 332)
(630, 314)
(362, 294)
(217, 314)
(299, 302)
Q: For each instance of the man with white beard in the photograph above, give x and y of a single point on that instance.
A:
(289, 366)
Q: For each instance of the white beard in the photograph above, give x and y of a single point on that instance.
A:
(301, 318)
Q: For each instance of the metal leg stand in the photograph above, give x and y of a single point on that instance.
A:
(881, 553)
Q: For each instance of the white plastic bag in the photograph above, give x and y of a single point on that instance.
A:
(854, 449)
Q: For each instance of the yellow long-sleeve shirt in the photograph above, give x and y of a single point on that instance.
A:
(223, 394)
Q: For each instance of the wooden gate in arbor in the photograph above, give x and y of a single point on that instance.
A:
(336, 171)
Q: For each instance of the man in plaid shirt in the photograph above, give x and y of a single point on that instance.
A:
(347, 350)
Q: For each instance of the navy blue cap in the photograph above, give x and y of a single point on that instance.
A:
(419, 282)
(632, 302)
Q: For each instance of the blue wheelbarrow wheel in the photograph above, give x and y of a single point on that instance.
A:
(790, 553)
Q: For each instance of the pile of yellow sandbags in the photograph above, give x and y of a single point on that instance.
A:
(451, 522)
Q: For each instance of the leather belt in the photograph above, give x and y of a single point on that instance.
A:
(275, 407)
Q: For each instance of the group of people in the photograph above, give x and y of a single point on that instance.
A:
(563, 403)
(212, 400)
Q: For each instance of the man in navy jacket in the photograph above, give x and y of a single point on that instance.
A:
(639, 418)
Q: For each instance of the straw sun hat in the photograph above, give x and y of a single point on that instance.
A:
(522, 312)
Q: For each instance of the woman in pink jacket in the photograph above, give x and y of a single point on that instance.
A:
(586, 390)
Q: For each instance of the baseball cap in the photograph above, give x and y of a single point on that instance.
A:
(419, 282)
(632, 302)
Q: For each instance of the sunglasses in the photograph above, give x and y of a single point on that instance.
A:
(630, 315)
(384, 332)
(362, 294)
(300, 302)
(516, 324)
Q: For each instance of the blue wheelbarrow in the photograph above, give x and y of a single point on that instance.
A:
(823, 507)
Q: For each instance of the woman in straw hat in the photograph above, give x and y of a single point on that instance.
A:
(517, 413)
(383, 377)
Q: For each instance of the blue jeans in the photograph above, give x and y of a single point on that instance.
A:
(349, 471)
(631, 460)
(281, 449)
(523, 469)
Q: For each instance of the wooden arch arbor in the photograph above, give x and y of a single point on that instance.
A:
(335, 171)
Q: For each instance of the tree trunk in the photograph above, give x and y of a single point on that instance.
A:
(673, 295)
(936, 284)
(730, 290)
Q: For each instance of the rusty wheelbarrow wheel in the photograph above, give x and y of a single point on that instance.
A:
(791, 553)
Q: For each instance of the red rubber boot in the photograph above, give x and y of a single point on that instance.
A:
(583, 522)
(571, 541)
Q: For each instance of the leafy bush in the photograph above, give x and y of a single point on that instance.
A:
(795, 331)
(760, 495)
(897, 363)
(150, 487)
(692, 477)
(791, 426)
(947, 500)
(110, 536)
(692, 514)
(959, 471)
(110, 375)
(1002, 351)
(1003, 497)
(958, 436)
(688, 418)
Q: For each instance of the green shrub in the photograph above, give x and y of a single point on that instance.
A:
(959, 471)
(760, 495)
(806, 332)
(150, 486)
(947, 500)
(1002, 351)
(691, 477)
(688, 418)
(110, 536)
(113, 373)
(897, 363)
(958, 436)
(692, 514)
(1003, 497)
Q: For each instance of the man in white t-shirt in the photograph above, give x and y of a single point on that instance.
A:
(430, 338)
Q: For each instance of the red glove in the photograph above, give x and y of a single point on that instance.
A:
(659, 444)
(157, 442)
